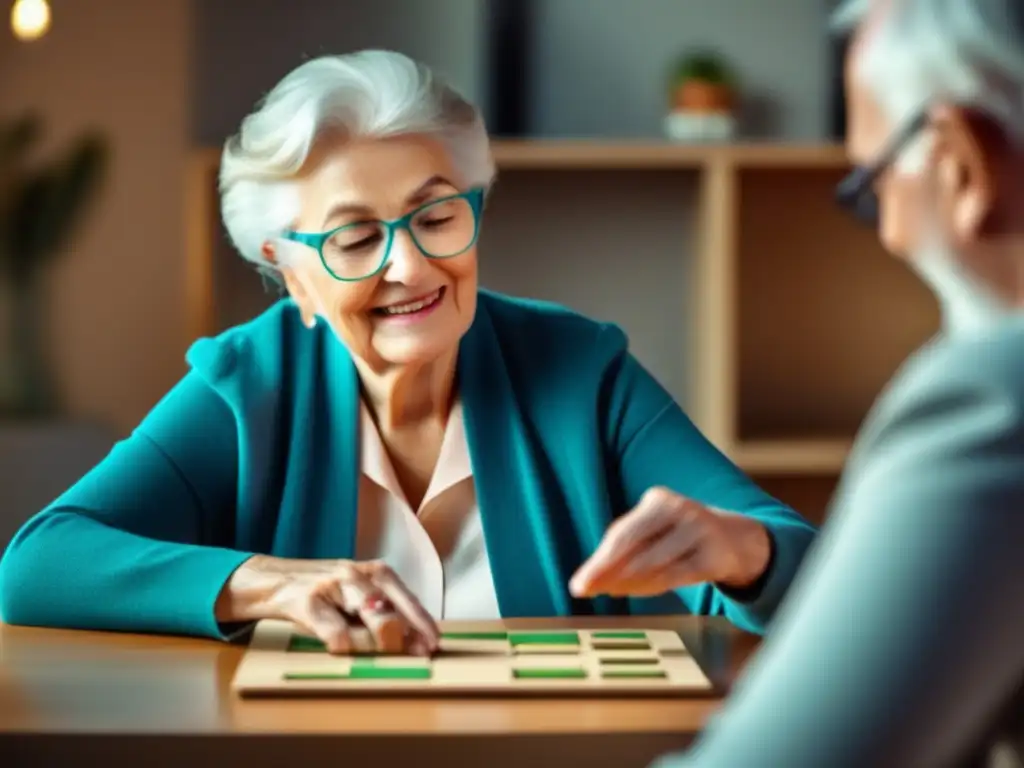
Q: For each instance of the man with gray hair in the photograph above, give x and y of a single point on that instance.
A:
(901, 643)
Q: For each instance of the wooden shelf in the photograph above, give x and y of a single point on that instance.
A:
(797, 316)
(581, 154)
(597, 155)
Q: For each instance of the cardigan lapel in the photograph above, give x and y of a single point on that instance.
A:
(518, 534)
(333, 435)
(514, 502)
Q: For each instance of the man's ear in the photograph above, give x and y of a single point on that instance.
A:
(293, 285)
(966, 154)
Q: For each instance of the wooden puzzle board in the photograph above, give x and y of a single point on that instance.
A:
(280, 662)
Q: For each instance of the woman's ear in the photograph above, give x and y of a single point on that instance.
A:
(293, 285)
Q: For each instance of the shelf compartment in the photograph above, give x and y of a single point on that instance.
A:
(810, 495)
(824, 317)
(782, 457)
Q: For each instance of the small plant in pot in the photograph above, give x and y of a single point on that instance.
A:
(703, 94)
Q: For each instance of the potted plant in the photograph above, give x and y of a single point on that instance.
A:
(40, 204)
(703, 94)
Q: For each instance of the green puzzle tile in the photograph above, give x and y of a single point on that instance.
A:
(360, 672)
(544, 638)
(474, 635)
(618, 635)
(306, 644)
(619, 645)
(626, 660)
(365, 672)
(633, 673)
(549, 673)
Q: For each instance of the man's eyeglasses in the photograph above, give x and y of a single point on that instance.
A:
(856, 192)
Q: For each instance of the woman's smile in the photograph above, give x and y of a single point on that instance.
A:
(411, 311)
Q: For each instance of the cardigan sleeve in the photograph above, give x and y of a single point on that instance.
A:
(654, 443)
(900, 644)
(138, 544)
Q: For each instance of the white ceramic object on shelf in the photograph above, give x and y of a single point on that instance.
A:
(685, 126)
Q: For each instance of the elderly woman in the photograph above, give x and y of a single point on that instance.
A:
(391, 444)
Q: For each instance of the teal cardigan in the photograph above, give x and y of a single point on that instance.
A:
(256, 450)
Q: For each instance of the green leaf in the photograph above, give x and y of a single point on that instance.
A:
(17, 137)
(45, 206)
(706, 66)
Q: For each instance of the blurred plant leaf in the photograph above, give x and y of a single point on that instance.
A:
(16, 140)
(44, 205)
(705, 65)
(18, 136)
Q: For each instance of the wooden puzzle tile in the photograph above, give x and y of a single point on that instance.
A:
(630, 660)
(632, 673)
(390, 661)
(532, 660)
(475, 647)
(527, 650)
(666, 641)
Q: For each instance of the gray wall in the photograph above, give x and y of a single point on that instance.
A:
(244, 46)
(613, 245)
(599, 67)
(602, 64)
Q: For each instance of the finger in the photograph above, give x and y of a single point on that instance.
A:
(678, 574)
(624, 538)
(418, 646)
(616, 548)
(690, 568)
(680, 542)
(649, 519)
(362, 598)
(407, 604)
(322, 619)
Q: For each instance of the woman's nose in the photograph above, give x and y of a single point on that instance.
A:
(406, 262)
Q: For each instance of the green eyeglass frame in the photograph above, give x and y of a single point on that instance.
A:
(316, 240)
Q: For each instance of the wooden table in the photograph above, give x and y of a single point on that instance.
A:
(68, 698)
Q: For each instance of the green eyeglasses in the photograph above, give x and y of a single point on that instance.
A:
(441, 229)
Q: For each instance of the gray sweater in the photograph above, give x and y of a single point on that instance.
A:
(901, 643)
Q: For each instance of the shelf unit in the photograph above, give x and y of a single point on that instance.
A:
(796, 316)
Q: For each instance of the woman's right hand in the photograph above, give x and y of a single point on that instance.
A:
(346, 604)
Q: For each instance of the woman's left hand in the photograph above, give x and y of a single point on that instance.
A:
(669, 541)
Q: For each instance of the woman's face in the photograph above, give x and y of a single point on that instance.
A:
(416, 308)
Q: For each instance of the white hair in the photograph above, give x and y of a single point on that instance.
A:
(365, 94)
(964, 52)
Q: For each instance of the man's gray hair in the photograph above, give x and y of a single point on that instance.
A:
(964, 52)
(365, 94)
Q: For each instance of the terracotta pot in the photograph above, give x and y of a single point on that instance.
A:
(702, 96)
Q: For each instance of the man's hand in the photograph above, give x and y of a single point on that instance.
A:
(668, 541)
